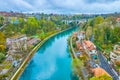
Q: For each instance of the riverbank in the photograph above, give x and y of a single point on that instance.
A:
(22, 67)
(77, 64)
(86, 56)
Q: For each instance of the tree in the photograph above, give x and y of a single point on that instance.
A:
(111, 19)
(2, 48)
(98, 20)
(2, 38)
(103, 77)
(2, 56)
(31, 26)
(2, 42)
(1, 20)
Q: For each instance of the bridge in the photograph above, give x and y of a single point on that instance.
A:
(76, 21)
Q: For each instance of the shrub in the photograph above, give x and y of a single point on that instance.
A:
(2, 56)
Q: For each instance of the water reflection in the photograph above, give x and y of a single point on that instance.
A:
(51, 61)
(52, 39)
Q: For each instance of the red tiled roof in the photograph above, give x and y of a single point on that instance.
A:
(89, 45)
(99, 72)
(118, 19)
(32, 41)
(82, 32)
(79, 46)
(10, 13)
(75, 34)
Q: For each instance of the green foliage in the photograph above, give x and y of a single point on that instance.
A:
(2, 38)
(2, 56)
(1, 20)
(98, 20)
(31, 26)
(104, 34)
(104, 77)
(111, 19)
(2, 42)
(118, 64)
(74, 44)
(88, 32)
(77, 64)
(105, 31)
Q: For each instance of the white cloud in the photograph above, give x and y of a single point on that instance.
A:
(66, 6)
(15, 5)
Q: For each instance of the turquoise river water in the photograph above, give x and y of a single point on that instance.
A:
(52, 61)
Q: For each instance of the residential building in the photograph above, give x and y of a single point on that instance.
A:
(75, 34)
(115, 55)
(118, 21)
(79, 46)
(89, 46)
(17, 44)
(81, 35)
(99, 72)
(33, 41)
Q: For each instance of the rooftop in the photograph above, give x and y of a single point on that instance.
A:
(99, 72)
(83, 32)
(18, 36)
(79, 46)
(89, 45)
(75, 33)
(118, 19)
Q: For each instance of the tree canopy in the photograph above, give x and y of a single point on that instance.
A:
(104, 77)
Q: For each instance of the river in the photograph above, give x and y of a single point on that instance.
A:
(52, 61)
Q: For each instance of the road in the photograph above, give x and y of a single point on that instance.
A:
(104, 64)
(92, 38)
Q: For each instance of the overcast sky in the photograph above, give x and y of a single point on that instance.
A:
(61, 6)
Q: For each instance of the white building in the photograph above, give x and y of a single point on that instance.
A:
(81, 35)
(115, 55)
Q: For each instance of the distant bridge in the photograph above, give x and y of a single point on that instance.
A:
(76, 21)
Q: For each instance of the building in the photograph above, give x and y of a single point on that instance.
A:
(75, 34)
(118, 21)
(8, 14)
(14, 20)
(115, 55)
(17, 44)
(81, 35)
(33, 41)
(89, 46)
(99, 72)
(79, 46)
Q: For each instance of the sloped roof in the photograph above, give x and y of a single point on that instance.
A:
(75, 33)
(79, 46)
(118, 19)
(99, 72)
(83, 32)
(89, 45)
